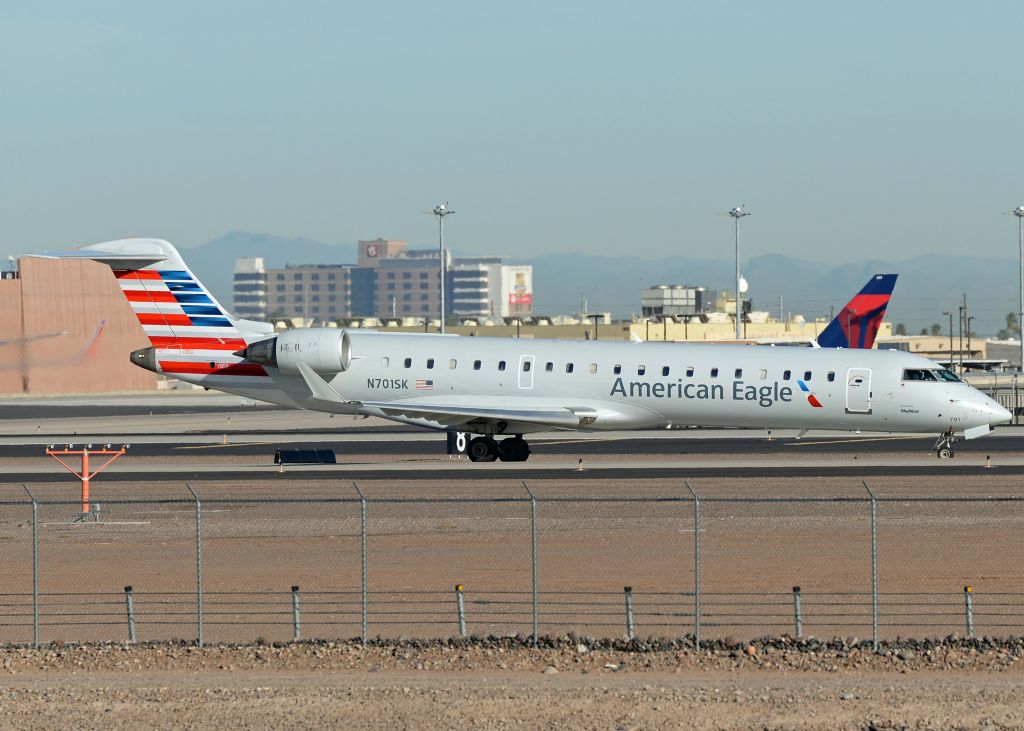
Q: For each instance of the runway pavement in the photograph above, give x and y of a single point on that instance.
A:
(173, 437)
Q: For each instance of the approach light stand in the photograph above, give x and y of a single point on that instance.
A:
(737, 213)
(1019, 213)
(441, 211)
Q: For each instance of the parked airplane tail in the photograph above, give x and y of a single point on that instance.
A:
(858, 322)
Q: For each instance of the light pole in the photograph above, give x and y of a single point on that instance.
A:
(737, 213)
(950, 339)
(969, 320)
(960, 339)
(1019, 213)
(441, 211)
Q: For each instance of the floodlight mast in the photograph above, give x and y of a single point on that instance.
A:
(441, 211)
(737, 213)
(1019, 213)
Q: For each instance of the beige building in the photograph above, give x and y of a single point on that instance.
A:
(65, 327)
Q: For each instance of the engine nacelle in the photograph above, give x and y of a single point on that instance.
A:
(324, 349)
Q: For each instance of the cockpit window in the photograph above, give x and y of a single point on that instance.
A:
(918, 374)
(945, 375)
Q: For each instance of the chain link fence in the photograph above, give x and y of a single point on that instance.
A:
(524, 559)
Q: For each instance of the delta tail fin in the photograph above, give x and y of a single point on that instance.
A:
(858, 322)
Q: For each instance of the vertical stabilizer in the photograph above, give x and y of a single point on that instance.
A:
(858, 322)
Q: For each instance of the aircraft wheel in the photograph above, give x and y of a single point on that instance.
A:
(514, 450)
(944, 453)
(482, 449)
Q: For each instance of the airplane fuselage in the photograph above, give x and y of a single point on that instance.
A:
(636, 385)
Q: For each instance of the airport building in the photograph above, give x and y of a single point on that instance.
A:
(483, 287)
(675, 300)
(67, 329)
(390, 280)
(250, 288)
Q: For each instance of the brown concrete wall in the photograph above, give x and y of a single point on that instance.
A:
(61, 304)
(11, 348)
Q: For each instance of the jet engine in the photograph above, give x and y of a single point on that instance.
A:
(324, 349)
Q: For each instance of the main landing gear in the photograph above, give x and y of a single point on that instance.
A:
(944, 445)
(486, 449)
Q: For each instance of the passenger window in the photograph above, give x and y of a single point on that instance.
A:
(430, 363)
(714, 373)
(640, 370)
(408, 362)
(617, 369)
(476, 365)
(689, 372)
(831, 376)
(452, 363)
(384, 361)
(549, 367)
(526, 366)
(739, 373)
(786, 375)
(568, 367)
(501, 365)
(807, 375)
(664, 370)
(593, 367)
(762, 374)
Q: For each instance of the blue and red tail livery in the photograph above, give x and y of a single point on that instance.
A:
(858, 322)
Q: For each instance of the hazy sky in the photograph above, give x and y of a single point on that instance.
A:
(852, 130)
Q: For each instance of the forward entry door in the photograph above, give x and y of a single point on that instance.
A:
(526, 371)
(858, 391)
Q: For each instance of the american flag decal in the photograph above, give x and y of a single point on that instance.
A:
(423, 384)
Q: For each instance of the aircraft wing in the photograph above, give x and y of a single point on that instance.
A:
(457, 415)
(452, 415)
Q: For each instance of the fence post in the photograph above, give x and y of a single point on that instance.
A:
(969, 610)
(35, 566)
(129, 605)
(874, 567)
(362, 563)
(696, 565)
(460, 607)
(798, 619)
(296, 623)
(199, 565)
(629, 612)
(533, 560)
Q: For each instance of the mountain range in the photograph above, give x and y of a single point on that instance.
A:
(566, 282)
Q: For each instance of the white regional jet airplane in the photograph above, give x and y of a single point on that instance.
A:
(508, 387)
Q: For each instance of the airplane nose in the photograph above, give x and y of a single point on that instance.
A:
(998, 415)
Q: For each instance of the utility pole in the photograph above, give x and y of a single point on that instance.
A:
(1019, 213)
(737, 213)
(950, 314)
(960, 338)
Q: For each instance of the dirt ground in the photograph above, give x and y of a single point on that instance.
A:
(351, 686)
(593, 539)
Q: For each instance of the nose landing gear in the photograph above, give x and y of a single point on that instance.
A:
(944, 445)
(487, 449)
